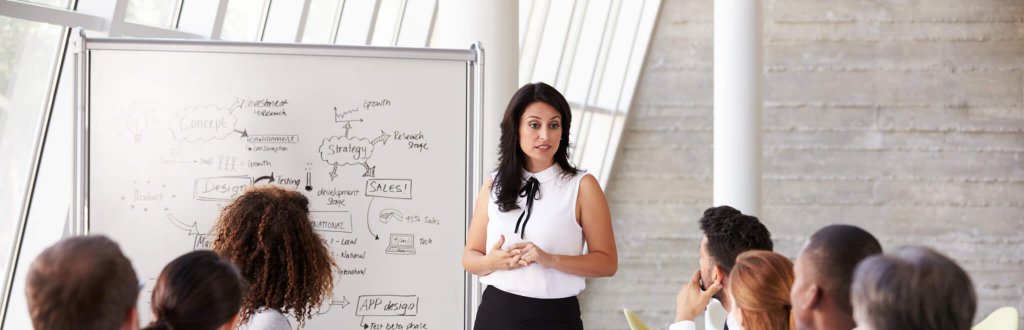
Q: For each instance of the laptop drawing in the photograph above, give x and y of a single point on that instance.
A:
(401, 244)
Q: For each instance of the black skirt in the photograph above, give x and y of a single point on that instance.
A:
(500, 310)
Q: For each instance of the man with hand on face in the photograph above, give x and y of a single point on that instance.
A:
(727, 234)
(824, 271)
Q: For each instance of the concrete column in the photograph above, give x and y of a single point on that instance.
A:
(495, 23)
(738, 102)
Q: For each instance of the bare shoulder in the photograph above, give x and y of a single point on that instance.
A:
(589, 184)
(487, 183)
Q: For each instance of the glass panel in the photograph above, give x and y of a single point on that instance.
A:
(416, 23)
(525, 8)
(242, 20)
(197, 17)
(49, 3)
(619, 55)
(157, 13)
(591, 145)
(320, 21)
(530, 45)
(283, 21)
(28, 53)
(355, 22)
(552, 43)
(387, 22)
(587, 51)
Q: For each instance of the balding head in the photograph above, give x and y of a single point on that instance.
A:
(824, 272)
(82, 283)
(913, 287)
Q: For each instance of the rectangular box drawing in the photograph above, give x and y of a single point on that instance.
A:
(223, 188)
(387, 305)
(269, 138)
(389, 188)
(331, 221)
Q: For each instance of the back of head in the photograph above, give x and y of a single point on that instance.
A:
(266, 232)
(730, 233)
(760, 283)
(833, 253)
(81, 282)
(198, 290)
(913, 288)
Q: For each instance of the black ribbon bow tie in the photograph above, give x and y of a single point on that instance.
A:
(532, 192)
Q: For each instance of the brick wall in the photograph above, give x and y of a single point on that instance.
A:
(904, 117)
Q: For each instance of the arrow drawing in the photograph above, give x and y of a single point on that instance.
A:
(370, 170)
(243, 132)
(347, 127)
(324, 309)
(382, 138)
(344, 302)
(191, 229)
(368, 208)
(265, 177)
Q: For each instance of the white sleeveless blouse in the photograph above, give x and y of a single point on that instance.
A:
(552, 227)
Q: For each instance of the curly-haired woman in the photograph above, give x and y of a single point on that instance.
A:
(266, 232)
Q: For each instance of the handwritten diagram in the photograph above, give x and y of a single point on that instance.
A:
(353, 165)
(346, 150)
(204, 124)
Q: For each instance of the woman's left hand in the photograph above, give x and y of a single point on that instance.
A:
(531, 253)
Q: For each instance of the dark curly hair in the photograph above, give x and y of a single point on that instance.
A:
(730, 233)
(511, 159)
(266, 232)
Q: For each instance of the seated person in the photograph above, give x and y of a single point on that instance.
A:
(824, 270)
(198, 290)
(266, 232)
(727, 234)
(912, 288)
(82, 282)
(760, 284)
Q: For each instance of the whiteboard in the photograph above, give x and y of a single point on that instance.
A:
(382, 141)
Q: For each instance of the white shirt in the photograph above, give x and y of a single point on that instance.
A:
(552, 227)
(266, 319)
(691, 325)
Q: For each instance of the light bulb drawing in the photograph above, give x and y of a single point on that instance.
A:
(136, 124)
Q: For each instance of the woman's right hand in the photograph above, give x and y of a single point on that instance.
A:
(503, 260)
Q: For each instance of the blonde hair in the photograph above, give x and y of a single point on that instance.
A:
(760, 283)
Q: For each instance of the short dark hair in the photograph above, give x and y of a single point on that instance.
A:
(198, 290)
(82, 282)
(730, 233)
(834, 252)
(914, 288)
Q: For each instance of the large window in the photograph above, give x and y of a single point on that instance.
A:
(591, 50)
(28, 55)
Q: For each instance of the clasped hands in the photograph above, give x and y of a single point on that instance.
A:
(516, 256)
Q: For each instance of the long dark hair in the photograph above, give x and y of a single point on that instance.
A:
(511, 159)
(266, 232)
(199, 290)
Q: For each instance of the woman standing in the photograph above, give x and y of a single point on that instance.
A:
(266, 232)
(535, 213)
